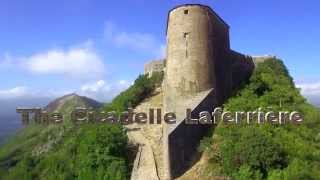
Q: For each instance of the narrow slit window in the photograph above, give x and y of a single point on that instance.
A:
(186, 37)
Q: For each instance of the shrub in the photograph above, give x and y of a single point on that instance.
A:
(142, 88)
(268, 151)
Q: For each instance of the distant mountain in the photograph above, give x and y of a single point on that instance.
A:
(10, 121)
(68, 102)
(66, 151)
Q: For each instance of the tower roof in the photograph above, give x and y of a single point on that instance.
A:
(200, 5)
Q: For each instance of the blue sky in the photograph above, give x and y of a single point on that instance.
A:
(97, 48)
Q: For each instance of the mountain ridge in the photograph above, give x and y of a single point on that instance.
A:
(74, 100)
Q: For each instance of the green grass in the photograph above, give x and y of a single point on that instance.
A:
(141, 89)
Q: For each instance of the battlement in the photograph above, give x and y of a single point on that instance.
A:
(260, 59)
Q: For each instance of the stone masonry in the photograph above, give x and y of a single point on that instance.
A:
(200, 73)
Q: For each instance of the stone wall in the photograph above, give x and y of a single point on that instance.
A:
(154, 66)
(260, 59)
(199, 60)
(185, 139)
(241, 68)
(197, 42)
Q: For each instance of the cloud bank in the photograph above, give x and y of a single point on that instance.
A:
(311, 91)
(103, 91)
(15, 92)
(142, 42)
(74, 63)
(77, 62)
(99, 90)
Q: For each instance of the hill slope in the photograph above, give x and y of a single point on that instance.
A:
(66, 102)
(265, 151)
(69, 151)
(66, 151)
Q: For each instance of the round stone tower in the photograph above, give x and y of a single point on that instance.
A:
(197, 49)
(197, 39)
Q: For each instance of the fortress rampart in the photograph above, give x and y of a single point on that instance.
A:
(201, 73)
(154, 66)
(196, 40)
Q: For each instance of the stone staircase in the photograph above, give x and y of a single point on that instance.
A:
(148, 161)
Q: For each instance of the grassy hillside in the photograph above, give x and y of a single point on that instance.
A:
(266, 151)
(63, 152)
(67, 151)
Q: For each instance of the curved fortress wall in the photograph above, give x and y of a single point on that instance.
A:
(199, 60)
(196, 40)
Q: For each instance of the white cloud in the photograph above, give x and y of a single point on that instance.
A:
(123, 82)
(29, 93)
(94, 87)
(310, 88)
(311, 91)
(102, 91)
(143, 42)
(80, 61)
(15, 92)
(98, 90)
(76, 63)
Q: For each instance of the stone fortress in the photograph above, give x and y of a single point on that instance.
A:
(154, 66)
(200, 73)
